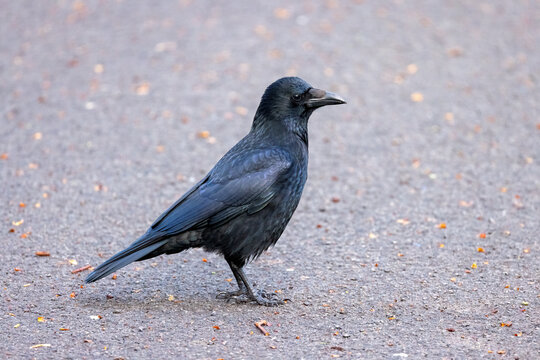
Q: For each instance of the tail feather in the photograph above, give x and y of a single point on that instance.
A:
(134, 252)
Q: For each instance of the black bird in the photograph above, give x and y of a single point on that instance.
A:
(241, 207)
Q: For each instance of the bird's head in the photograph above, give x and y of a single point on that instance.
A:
(292, 98)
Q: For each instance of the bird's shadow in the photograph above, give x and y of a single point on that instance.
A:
(124, 301)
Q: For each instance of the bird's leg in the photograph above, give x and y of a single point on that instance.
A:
(245, 290)
(261, 297)
(241, 288)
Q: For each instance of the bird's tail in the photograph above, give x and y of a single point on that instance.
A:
(140, 248)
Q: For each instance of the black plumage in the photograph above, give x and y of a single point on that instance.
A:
(241, 207)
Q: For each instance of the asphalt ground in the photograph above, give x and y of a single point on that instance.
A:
(417, 235)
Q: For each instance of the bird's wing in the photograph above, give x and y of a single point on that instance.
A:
(243, 183)
(179, 201)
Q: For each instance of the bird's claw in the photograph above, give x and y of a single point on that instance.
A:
(260, 298)
(267, 299)
(230, 295)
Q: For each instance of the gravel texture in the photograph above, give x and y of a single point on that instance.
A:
(417, 235)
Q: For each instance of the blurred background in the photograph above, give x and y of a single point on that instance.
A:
(110, 110)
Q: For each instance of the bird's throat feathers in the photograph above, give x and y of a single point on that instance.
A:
(280, 128)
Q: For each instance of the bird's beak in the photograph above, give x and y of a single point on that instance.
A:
(322, 98)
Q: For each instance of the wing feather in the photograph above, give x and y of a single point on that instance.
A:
(247, 185)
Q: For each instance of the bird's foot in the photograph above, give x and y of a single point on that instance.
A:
(243, 297)
(237, 297)
(266, 299)
(231, 295)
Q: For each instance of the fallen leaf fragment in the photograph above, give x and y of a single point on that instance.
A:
(417, 97)
(501, 352)
(454, 52)
(81, 269)
(73, 261)
(21, 204)
(482, 235)
(17, 325)
(142, 89)
(282, 13)
(43, 253)
(508, 324)
(480, 249)
(95, 317)
(403, 221)
(41, 319)
(259, 325)
(4, 156)
(64, 329)
(474, 266)
(442, 226)
(203, 134)
(98, 68)
(72, 295)
(114, 276)
(39, 346)
(170, 298)
(412, 69)
(240, 110)
(450, 329)
(17, 223)
(204, 260)
(216, 327)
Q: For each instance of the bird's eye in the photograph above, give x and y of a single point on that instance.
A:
(297, 97)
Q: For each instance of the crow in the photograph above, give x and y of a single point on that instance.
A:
(242, 206)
